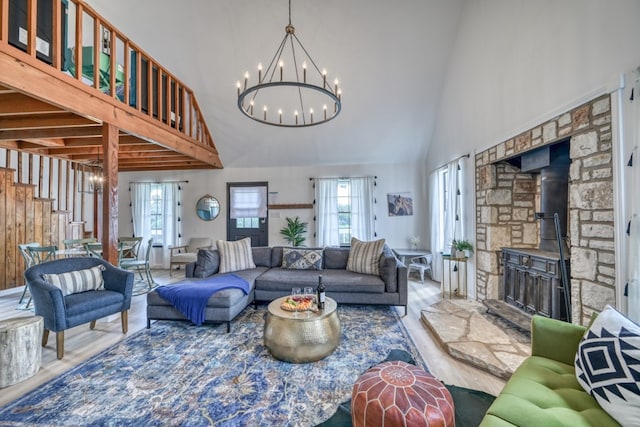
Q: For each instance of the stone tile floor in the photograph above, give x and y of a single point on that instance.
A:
(470, 334)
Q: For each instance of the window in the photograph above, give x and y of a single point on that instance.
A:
(155, 211)
(247, 222)
(156, 217)
(344, 210)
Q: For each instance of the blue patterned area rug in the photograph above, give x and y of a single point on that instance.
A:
(178, 374)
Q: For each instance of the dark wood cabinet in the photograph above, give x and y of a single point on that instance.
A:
(532, 281)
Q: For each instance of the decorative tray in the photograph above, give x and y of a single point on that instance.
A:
(298, 304)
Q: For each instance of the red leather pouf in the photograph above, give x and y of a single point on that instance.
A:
(399, 394)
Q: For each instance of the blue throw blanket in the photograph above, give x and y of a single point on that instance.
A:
(190, 296)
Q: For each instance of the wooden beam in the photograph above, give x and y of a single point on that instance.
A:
(16, 103)
(48, 121)
(83, 131)
(36, 78)
(110, 194)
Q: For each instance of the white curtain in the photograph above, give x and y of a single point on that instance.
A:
(362, 216)
(436, 230)
(362, 213)
(631, 133)
(141, 215)
(327, 212)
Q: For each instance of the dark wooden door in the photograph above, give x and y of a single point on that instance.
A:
(247, 212)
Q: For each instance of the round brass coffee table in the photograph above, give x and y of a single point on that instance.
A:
(301, 338)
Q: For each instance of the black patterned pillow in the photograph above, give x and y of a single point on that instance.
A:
(302, 259)
(608, 365)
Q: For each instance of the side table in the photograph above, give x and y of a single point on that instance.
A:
(20, 349)
(454, 276)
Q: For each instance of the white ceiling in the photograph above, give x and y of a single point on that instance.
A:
(389, 56)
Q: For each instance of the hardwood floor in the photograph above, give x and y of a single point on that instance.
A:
(81, 343)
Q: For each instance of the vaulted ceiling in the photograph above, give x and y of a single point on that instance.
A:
(390, 58)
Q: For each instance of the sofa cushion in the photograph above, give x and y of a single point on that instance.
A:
(343, 281)
(388, 269)
(364, 257)
(335, 258)
(276, 256)
(207, 263)
(72, 282)
(545, 392)
(608, 365)
(261, 256)
(235, 256)
(302, 259)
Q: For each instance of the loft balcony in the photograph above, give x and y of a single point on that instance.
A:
(73, 87)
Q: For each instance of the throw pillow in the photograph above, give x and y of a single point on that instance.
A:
(608, 365)
(364, 257)
(302, 259)
(207, 263)
(76, 281)
(235, 256)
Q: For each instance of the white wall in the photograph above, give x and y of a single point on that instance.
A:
(517, 63)
(293, 186)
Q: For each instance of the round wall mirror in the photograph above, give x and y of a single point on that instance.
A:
(207, 208)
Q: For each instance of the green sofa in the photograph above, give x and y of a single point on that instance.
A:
(543, 391)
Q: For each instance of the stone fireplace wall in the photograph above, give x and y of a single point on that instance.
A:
(506, 201)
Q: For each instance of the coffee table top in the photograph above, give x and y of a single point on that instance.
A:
(274, 309)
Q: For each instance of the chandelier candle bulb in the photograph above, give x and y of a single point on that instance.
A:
(280, 114)
(246, 79)
(304, 71)
(311, 113)
(281, 69)
(265, 112)
(324, 108)
(238, 86)
(251, 107)
(296, 114)
(259, 73)
(324, 78)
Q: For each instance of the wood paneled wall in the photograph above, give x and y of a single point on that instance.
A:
(25, 218)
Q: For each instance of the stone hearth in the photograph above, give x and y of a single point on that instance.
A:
(471, 335)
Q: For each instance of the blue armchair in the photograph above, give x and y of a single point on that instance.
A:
(63, 312)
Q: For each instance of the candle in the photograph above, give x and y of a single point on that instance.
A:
(304, 71)
(281, 67)
(339, 93)
(324, 108)
(335, 82)
(311, 113)
(324, 78)
(265, 112)
(280, 114)
(259, 73)
(246, 78)
(238, 86)
(251, 107)
(296, 114)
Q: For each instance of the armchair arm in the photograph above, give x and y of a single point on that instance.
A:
(177, 248)
(49, 303)
(555, 339)
(118, 280)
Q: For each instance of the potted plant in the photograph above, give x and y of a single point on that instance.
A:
(463, 248)
(294, 231)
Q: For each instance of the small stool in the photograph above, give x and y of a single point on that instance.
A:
(20, 349)
(399, 394)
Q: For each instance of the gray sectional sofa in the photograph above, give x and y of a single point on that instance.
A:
(269, 281)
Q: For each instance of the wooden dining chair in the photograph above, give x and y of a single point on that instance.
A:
(28, 262)
(130, 247)
(42, 254)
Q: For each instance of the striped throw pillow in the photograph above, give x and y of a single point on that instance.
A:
(76, 281)
(235, 256)
(364, 257)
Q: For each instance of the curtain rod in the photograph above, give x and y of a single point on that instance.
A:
(157, 182)
(457, 158)
(345, 177)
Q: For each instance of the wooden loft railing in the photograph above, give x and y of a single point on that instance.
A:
(69, 47)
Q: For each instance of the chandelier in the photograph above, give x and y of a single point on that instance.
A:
(92, 179)
(292, 91)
